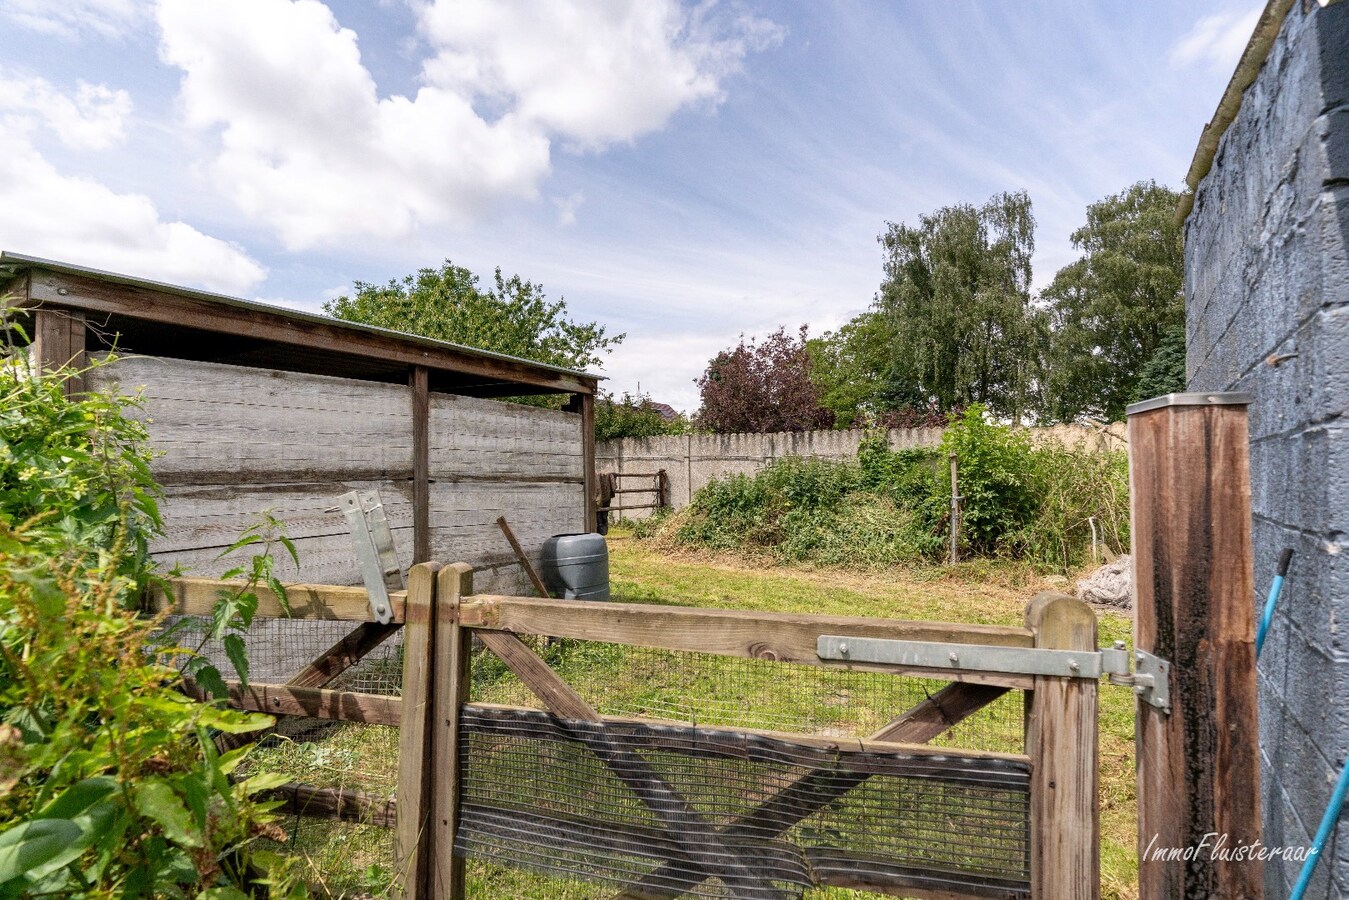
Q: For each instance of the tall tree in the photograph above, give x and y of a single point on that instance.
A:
(851, 367)
(511, 316)
(956, 297)
(1112, 309)
(762, 387)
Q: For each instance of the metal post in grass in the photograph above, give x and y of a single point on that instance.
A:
(1194, 599)
(955, 513)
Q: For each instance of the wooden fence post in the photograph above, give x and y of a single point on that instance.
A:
(412, 832)
(1065, 830)
(1194, 598)
(452, 654)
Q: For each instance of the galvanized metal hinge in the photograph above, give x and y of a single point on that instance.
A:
(1150, 679)
(375, 552)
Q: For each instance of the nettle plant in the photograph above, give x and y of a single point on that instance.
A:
(110, 782)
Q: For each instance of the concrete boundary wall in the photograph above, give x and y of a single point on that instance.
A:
(692, 460)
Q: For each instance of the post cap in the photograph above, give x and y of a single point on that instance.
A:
(1219, 398)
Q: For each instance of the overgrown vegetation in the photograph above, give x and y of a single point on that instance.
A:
(1020, 501)
(110, 783)
(634, 415)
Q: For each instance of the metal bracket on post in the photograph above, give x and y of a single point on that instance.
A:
(1150, 681)
(375, 552)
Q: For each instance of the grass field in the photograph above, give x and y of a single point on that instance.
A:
(355, 860)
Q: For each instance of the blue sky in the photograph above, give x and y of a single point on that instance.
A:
(683, 173)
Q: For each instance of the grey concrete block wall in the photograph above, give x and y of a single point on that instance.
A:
(1267, 291)
(690, 461)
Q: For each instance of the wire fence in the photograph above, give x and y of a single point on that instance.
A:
(545, 816)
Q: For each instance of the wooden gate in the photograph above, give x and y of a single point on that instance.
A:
(756, 840)
(683, 842)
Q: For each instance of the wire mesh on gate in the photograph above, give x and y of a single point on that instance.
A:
(544, 816)
(664, 810)
(340, 858)
(552, 806)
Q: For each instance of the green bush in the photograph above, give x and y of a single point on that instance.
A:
(110, 783)
(1020, 501)
(998, 477)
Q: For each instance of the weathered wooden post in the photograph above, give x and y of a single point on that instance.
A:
(1065, 827)
(453, 646)
(1194, 598)
(412, 832)
(58, 340)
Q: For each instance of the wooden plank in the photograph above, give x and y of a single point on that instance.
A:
(316, 703)
(341, 656)
(678, 819)
(197, 597)
(335, 803)
(810, 792)
(487, 438)
(351, 649)
(285, 327)
(783, 637)
(523, 557)
(412, 838)
(421, 478)
(58, 343)
(1062, 744)
(453, 655)
(943, 710)
(1199, 767)
(555, 693)
(903, 740)
(225, 424)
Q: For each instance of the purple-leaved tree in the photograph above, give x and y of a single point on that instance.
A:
(762, 387)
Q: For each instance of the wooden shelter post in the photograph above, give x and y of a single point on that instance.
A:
(584, 404)
(418, 381)
(1199, 766)
(58, 340)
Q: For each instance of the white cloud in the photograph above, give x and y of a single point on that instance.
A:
(592, 71)
(567, 207)
(93, 119)
(76, 18)
(1216, 41)
(79, 220)
(309, 147)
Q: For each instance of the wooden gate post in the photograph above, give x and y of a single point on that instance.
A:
(453, 646)
(1065, 828)
(1194, 599)
(412, 832)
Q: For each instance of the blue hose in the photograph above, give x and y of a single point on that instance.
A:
(1275, 587)
(1322, 834)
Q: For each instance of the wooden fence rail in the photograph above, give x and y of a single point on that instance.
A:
(440, 616)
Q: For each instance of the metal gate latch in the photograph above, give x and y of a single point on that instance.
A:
(375, 553)
(1151, 678)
